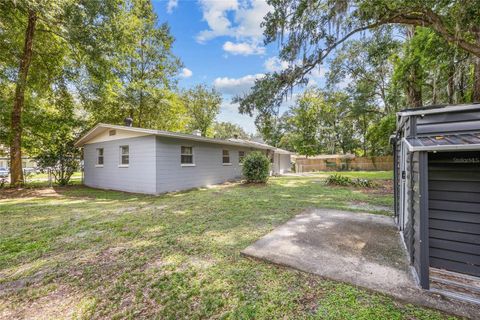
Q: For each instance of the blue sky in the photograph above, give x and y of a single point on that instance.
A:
(220, 43)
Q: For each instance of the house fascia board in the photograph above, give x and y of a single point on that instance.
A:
(101, 126)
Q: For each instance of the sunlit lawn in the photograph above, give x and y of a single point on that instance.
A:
(382, 175)
(44, 176)
(85, 253)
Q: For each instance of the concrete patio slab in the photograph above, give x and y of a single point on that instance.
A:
(358, 248)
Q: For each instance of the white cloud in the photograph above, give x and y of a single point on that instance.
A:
(234, 86)
(172, 4)
(237, 19)
(243, 48)
(274, 64)
(215, 14)
(249, 17)
(318, 72)
(186, 73)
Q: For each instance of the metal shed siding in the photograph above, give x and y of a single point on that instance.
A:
(138, 177)
(410, 205)
(208, 169)
(454, 199)
(445, 123)
(415, 232)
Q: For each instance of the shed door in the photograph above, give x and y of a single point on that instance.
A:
(454, 207)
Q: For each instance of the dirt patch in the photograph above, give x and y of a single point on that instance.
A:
(60, 303)
(11, 193)
(384, 187)
(359, 205)
(12, 286)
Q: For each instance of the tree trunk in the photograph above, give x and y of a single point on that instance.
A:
(461, 85)
(476, 80)
(413, 86)
(16, 172)
(414, 95)
(451, 84)
(434, 89)
(476, 74)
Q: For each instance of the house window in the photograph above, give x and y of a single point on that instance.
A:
(124, 156)
(241, 155)
(186, 155)
(112, 132)
(100, 157)
(226, 157)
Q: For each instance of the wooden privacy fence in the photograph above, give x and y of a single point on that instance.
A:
(340, 163)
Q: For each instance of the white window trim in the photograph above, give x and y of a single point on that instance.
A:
(193, 157)
(229, 158)
(187, 164)
(97, 165)
(120, 164)
(240, 163)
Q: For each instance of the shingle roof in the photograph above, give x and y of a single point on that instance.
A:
(463, 141)
(101, 127)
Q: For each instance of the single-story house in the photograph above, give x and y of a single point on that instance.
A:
(437, 195)
(27, 162)
(150, 161)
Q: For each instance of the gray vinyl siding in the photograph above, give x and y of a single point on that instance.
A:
(442, 202)
(445, 123)
(138, 177)
(155, 166)
(454, 212)
(208, 169)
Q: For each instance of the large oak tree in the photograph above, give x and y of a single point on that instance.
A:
(309, 30)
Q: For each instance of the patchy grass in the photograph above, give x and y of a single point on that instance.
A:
(82, 253)
(377, 175)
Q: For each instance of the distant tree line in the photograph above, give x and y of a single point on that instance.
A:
(383, 56)
(66, 65)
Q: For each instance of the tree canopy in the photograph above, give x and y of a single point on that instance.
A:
(383, 55)
(309, 31)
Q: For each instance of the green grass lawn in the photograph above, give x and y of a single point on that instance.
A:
(77, 252)
(381, 175)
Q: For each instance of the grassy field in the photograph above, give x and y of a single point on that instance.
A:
(380, 175)
(82, 253)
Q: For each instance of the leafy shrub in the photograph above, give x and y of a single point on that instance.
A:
(363, 183)
(256, 167)
(338, 180)
(60, 156)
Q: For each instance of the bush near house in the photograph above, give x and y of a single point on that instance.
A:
(339, 180)
(256, 167)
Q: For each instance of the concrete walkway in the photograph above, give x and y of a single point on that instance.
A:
(358, 248)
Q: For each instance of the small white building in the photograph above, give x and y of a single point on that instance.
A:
(153, 161)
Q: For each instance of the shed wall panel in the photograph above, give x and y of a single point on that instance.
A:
(445, 123)
(454, 191)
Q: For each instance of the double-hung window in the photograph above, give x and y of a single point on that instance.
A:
(186, 156)
(241, 155)
(99, 157)
(124, 156)
(226, 157)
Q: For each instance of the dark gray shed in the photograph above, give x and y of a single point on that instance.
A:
(437, 195)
